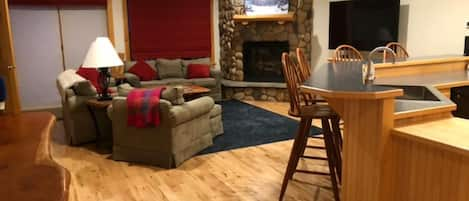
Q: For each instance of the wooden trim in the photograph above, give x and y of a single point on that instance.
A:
(265, 18)
(449, 85)
(212, 35)
(423, 62)
(451, 141)
(61, 33)
(126, 29)
(110, 22)
(353, 95)
(423, 112)
(13, 103)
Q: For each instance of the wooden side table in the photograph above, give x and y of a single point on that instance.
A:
(194, 91)
(94, 106)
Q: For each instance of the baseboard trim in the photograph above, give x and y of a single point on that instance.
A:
(56, 110)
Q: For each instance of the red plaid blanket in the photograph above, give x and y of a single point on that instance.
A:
(143, 107)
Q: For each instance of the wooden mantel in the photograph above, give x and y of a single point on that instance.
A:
(280, 18)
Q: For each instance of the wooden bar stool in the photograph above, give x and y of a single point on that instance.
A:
(346, 53)
(401, 52)
(330, 126)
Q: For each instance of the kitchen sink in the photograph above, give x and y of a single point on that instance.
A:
(415, 93)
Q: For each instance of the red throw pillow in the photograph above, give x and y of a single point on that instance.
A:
(143, 71)
(90, 74)
(198, 71)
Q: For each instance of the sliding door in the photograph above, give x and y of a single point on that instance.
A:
(38, 54)
(80, 26)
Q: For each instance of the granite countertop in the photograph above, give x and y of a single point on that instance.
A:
(347, 77)
(343, 77)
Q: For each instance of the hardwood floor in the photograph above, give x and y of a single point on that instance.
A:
(248, 174)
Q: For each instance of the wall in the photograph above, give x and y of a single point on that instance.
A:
(434, 27)
(427, 27)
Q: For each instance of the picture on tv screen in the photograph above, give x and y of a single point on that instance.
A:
(265, 7)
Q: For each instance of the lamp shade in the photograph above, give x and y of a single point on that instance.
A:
(102, 55)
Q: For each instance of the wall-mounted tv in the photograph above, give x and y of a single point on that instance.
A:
(364, 24)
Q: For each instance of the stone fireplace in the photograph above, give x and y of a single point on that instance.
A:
(251, 51)
(262, 61)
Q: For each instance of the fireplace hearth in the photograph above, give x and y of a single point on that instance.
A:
(262, 60)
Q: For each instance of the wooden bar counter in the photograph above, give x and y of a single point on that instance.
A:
(27, 171)
(397, 148)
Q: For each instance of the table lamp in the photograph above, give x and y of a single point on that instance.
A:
(102, 56)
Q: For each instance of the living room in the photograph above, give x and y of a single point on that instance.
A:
(234, 100)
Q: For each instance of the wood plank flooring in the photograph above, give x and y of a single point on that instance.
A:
(248, 174)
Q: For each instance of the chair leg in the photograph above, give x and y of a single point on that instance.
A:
(337, 137)
(330, 151)
(296, 152)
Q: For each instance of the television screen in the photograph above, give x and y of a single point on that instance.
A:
(364, 24)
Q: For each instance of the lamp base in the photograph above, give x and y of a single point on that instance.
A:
(104, 98)
(104, 79)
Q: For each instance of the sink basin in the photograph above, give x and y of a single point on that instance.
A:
(415, 93)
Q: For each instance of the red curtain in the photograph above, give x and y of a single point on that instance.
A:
(57, 2)
(169, 28)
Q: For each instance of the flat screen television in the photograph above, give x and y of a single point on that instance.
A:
(364, 24)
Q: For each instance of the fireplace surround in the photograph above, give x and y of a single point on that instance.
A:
(235, 35)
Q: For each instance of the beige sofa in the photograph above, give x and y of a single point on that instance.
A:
(184, 131)
(174, 72)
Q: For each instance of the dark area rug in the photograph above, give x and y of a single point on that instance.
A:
(246, 125)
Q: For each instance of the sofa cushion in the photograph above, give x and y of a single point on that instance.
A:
(144, 71)
(129, 64)
(169, 68)
(186, 62)
(84, 88)
(90, 74)
(198, 71)
(205, 82)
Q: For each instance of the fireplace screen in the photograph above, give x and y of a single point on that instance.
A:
(263, 7)
(262, 61)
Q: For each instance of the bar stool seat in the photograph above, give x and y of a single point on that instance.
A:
(317, 111)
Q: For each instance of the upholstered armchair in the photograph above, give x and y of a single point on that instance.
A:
(75, 91)
(184, 131)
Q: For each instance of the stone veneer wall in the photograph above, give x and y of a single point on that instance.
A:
(256, 93)
(233, 35)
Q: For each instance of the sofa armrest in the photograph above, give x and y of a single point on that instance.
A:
(216, 73)
(132, 79)
(190, 110)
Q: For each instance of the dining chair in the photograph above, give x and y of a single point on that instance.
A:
(401, 52)
(305, 70)
(330, 130)
(345, 53)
